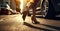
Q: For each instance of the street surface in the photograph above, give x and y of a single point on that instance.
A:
(15, 23)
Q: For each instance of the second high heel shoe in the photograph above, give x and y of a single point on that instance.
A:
(34, 21)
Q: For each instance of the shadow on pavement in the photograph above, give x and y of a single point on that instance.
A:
(54, 27)
(29, 25)
(56, 18)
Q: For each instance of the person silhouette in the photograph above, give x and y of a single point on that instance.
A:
(31, 5)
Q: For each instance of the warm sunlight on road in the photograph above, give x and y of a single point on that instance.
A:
(15, 23)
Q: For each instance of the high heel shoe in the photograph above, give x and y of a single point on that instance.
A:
(24, 15)
(34, 21)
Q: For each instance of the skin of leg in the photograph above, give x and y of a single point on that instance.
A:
(33, 15)
(33, 18)
(25, 11)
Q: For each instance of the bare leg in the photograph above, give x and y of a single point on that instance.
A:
(34, 20)
(25, 13)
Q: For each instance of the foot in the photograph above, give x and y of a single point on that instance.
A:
(34, 20)
(23, 18)
(24, 15)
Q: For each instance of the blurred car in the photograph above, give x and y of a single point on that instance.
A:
(5, 9)
(52, 10)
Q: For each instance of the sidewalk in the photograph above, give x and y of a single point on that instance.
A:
(15, 23)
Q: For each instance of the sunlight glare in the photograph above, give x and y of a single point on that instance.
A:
(21, 5)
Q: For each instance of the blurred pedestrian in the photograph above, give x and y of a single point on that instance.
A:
(31, 5)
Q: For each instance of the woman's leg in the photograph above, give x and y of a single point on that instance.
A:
(33, 18)
(25, 11)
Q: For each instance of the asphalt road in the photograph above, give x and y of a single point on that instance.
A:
(15, 23)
